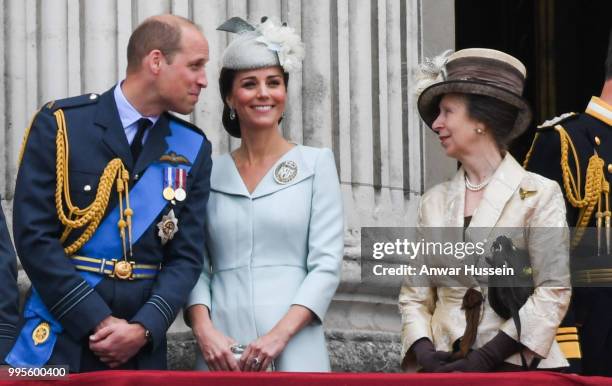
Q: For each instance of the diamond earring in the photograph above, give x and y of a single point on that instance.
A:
(232, 114)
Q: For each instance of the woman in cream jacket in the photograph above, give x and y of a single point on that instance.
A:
(475, 112)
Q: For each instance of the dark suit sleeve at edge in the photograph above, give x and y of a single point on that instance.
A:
(9, 292)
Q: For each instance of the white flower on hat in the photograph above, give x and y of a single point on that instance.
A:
(431, 71)
(284, 41)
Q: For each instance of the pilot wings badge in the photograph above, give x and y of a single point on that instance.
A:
(174, 159)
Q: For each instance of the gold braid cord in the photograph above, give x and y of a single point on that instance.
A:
(530, 152)
(24, 141)
(594, 186)
(90, 216)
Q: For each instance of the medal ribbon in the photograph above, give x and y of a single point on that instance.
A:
(169, 177)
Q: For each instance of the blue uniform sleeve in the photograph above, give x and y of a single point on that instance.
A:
(183, 254)
(37, 233)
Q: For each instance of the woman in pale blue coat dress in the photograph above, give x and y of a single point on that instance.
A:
(274, 222)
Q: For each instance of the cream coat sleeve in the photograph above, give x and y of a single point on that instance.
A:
(416, 305)
(325, 239)
(548, 246)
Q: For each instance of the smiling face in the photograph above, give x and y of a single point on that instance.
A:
(183, 76)
(456, 130)
(258, 97)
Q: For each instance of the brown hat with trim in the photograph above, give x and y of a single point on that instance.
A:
(480, 71)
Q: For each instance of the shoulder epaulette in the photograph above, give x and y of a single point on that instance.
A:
(551, 123)
(545, 129)
(185, 123)
(81, 100)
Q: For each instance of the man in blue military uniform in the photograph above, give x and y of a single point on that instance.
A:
(576, 151)
(9, 293)
(109, 209)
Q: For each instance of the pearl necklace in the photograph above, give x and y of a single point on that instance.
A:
(475, 187)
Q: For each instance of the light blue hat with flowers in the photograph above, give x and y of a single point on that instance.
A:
(268, 44)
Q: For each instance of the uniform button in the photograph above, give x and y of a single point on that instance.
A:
(136, 177)
(609, 168)
(93, 96)
(597, 141)
(87, 188)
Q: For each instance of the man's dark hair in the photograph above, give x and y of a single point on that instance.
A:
(226, 80)
(155, 33)
(609, 58)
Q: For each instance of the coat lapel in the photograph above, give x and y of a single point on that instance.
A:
(114, 137)
(226, 178)
(268, 183)
(504, 183)
(155, 145)
(455, 201)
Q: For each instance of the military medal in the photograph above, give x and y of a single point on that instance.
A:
(168, 191)
(180, 193)
(41, 333)
(167, 227)
(285, 172)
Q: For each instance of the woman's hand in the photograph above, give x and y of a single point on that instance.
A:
(214, 345)
(216, 350)
(427, 357)
(260, 353)
(487, 357)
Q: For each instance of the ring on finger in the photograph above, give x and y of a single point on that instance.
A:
(255, 362)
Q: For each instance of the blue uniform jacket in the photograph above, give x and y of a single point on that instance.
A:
(9, 293)
(96, 136)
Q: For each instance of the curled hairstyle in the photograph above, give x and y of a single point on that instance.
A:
(498, 117)
(226, 81)
(155, 34)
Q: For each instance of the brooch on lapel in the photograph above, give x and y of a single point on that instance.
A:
(168, 226)
(285, 172)
(523, 193)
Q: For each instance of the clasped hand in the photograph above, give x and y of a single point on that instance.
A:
(115, 341)
(258, 355)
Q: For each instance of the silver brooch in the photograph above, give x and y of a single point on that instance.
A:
(285, 172)
(168, 226)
